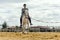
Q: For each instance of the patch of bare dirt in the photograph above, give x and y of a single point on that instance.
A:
(30, 36)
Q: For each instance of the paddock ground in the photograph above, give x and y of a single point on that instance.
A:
(30, 36)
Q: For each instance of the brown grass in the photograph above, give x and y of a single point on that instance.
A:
(30, 36)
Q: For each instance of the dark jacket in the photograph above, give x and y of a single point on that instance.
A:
(23, 10)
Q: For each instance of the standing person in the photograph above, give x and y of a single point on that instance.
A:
(23, 9)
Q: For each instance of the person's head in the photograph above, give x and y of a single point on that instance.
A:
(24, 5)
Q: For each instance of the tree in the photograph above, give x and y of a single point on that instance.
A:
(4, 25)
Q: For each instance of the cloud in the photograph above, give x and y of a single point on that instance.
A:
(13, 1)
(46, 10)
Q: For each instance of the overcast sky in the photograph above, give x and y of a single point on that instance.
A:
(43, 10)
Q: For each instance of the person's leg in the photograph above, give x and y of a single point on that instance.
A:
(21, 21)
(30, 20)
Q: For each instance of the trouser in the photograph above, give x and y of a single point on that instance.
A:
(28, 18)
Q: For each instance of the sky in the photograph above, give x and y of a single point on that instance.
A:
(42, 10)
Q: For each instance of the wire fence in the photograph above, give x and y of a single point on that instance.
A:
(43, 21)
(30, 30)
(11, 30)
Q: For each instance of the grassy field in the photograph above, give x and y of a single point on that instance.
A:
(30, 36)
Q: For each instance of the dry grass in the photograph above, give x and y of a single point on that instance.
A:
(30, 36)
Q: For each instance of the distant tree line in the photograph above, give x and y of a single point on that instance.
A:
(4, 25)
